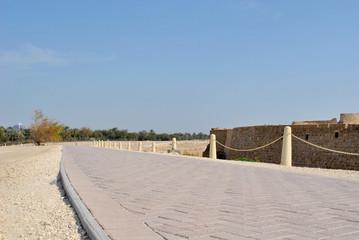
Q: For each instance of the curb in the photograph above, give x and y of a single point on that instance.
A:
(93, 229)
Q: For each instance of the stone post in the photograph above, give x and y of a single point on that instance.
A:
(129, 146)
(286, 158)
(174, 144)
(212, 147)
(140, 146)
(153, 147)
(120, 145)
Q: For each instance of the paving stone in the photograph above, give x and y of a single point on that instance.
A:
(174, 197)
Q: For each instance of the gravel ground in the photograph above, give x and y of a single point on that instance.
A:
(33, 202)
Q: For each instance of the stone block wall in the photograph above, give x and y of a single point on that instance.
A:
(342, 137)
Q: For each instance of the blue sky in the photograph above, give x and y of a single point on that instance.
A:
(178, 65)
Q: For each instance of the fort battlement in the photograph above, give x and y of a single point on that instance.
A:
(342, 136)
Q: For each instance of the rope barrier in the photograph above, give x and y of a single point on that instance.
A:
(323, 148)
(253, 149)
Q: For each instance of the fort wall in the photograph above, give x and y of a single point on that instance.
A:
(349, 118)
(339, 136)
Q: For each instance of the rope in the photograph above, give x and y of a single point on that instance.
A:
(253, 149)
(323, 148)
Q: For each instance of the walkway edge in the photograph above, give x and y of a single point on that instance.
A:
(93, 229)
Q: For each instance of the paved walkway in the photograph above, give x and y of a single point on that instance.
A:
(149, 196)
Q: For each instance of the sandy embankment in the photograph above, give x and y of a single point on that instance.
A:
(33, 205)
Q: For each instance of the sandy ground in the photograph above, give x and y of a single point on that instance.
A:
(191, 148)
(33, 202)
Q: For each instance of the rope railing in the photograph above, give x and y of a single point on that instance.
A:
(252, 149)
(324, 148)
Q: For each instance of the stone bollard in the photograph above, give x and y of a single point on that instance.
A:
(140, 146)
(153, 147)
(129, 146)
(174, 144)
(286, 158)
(212, 147)
(120, 145)
(114, 145)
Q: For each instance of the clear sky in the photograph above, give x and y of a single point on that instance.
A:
(178, 65)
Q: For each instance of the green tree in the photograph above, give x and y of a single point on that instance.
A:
(13, 135)
(152, 135)
(3, 137)
(143, 135)
(66, 134)
(44, 129)
(84, 134)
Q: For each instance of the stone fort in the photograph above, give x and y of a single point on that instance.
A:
(342, 135)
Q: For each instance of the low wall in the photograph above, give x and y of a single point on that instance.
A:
(342, 137)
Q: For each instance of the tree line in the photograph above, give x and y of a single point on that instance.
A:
(44, 129)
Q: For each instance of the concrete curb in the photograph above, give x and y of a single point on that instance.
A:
(93, 229)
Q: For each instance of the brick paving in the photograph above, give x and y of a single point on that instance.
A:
(152, 196)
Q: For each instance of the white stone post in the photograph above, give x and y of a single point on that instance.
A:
(129, 146)
(286, 158)
(120, 145)
(212, 147)
(153, 147)
(140, 146)
(174, 144)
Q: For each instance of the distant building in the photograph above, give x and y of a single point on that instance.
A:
(18, 127)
